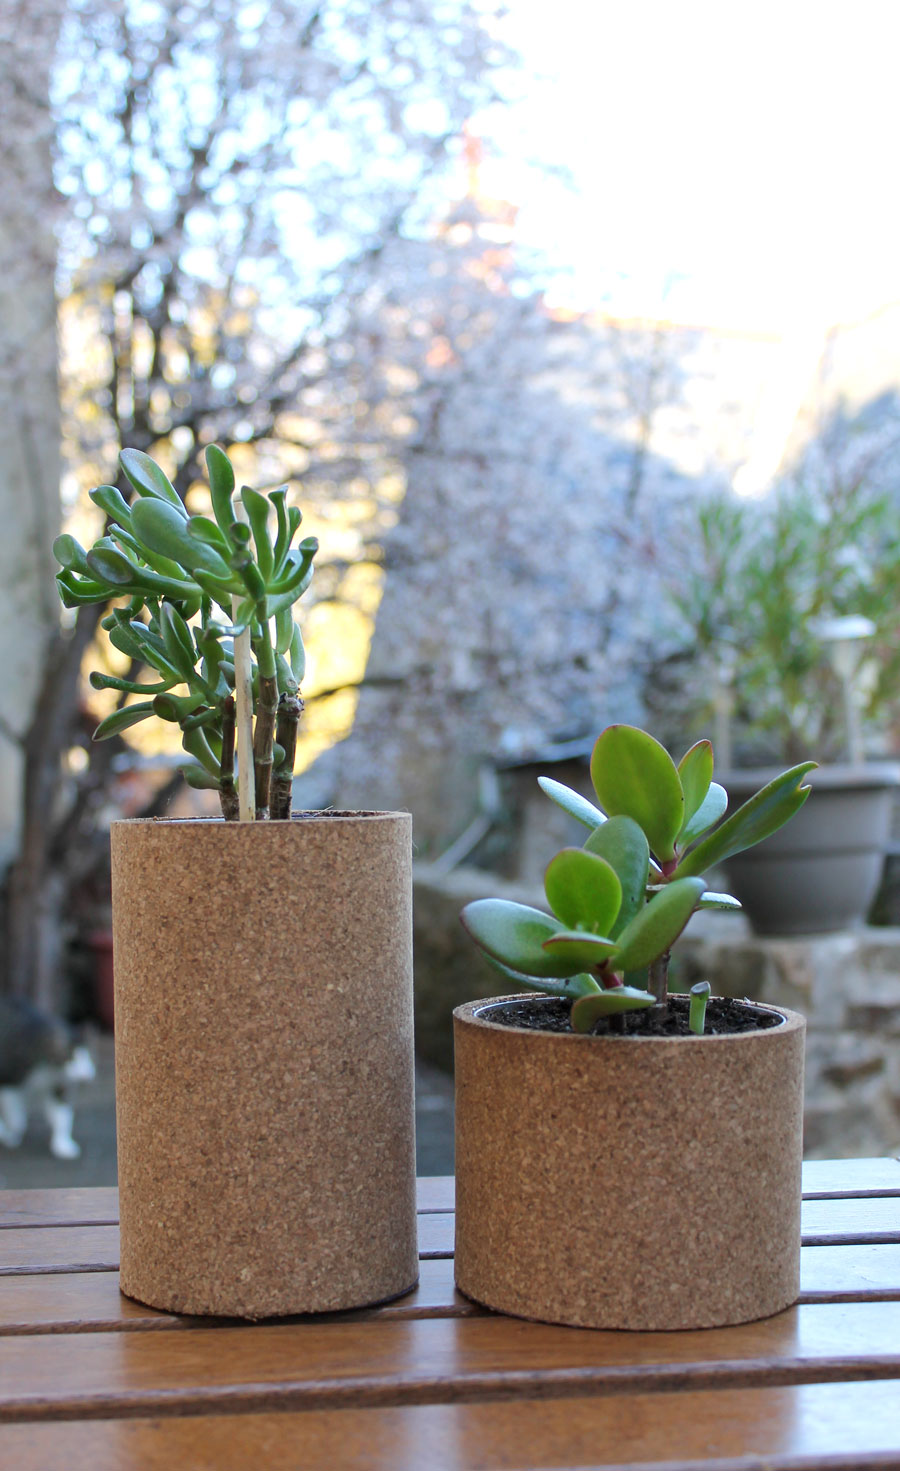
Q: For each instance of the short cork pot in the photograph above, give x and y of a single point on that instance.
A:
(627, 1182)
(264, 1063)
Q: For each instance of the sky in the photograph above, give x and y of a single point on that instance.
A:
(731, 164)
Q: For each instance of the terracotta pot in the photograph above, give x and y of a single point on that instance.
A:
(264, 1062)
(821, 871)
(628, 1182)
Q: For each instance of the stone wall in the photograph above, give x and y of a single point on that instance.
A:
(29, 405)
(847, 986)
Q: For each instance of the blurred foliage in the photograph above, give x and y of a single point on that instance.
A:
(756, 578)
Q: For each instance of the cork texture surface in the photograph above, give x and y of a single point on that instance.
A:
(264, 1062)
(642, 1183)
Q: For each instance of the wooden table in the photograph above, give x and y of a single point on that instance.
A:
(90, 1380)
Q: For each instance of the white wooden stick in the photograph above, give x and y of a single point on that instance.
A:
(243, 720)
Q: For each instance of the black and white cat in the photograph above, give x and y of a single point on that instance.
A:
(39, 1061)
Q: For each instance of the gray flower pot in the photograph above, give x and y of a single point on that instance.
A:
(821, 871)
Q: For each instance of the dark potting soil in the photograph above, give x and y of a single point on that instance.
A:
(724, 1015)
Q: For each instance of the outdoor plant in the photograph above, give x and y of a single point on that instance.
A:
(757, 585)
(619, 903)
(207, 605)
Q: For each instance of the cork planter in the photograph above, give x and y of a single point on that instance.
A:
(264, 1063)
(628, 1182)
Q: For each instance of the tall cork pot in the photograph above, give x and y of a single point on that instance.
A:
(627, 1182)
(264, 1062)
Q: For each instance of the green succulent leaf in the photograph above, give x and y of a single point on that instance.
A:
(655, 928)
(719, 901)
(112, 503)
(149, 480)
(178, 641)
(196, 744)
(579, 985)
(277, 602)
(124, 640)
(634, 776)
(765, 812)
(623, 844)
(296, 567)
(70, 555)
(514, 934)
(278, 498)
(284, 631)
(583, 890)
(572, 802)
(216, 588)
(122, 719)
(695, 770)
(161, 528)
(257, 508)
(712, 807)
(287, 684)
(611, 1002)
(76, 592)
(111, 566)
(221, 487)
(100, 681)
(575, 950)
(175, 708)
(297, 656)
(200, 779)
(207, 531)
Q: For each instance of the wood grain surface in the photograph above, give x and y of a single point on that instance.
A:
(795, 1428)
(90, 1379)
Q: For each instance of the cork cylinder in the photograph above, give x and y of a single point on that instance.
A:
(628, 1182)
(264, 1062)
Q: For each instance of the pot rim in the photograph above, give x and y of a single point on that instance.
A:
(468, 1015)
(300, 818)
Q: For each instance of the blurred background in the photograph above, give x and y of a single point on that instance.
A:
(575, 334)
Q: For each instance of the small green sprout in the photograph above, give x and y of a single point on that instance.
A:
(697, 1013)
(618, 904)
(207, 606)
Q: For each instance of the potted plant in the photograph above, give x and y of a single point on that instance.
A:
(778, 601)
(263, 985)
(622, 1161)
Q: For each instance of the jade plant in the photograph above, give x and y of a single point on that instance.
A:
(207, 606)
(619, 902)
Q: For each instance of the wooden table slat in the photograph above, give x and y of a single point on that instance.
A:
(99, 1206)
(427, 1360)
(82, 1206)
(89, 1302)
(831, 1178)
(433, 1380)
(786, 1428)
(864, 1220)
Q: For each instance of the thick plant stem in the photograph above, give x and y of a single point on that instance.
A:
(658, 978)
(263, 739)
(228, 796)
(290, 708)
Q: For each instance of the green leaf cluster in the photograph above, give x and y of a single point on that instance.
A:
(184, 587)
(618, 903)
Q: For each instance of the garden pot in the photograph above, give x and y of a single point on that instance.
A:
(264, 1062)
(627, 1182)
(821, 871)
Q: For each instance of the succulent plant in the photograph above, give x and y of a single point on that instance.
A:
(618, 903)
(208, 606)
